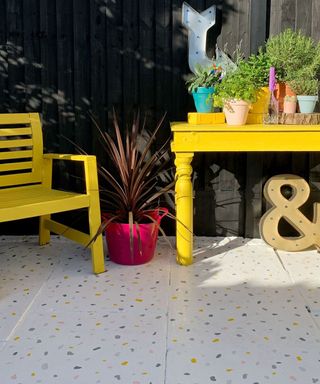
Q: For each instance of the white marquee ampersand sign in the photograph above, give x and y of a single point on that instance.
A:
(289, 210)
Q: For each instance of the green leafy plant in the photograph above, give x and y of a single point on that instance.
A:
(256, 68)
(235, 86)
(305, 86)
(288, 51)
(304, 81)
(291, 99)
(204, 77)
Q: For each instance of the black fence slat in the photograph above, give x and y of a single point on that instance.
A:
(49, 75)
(81, 73)
(15, 56)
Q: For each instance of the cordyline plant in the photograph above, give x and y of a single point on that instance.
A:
(132, 190)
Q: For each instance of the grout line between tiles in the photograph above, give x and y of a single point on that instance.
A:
(24, 314)
(306, 306)
(167, 323)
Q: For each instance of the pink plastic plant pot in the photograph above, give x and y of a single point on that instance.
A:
(289, 106)
(144, 240)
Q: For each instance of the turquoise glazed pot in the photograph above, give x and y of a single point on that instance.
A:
(203, 99)
(307, 103)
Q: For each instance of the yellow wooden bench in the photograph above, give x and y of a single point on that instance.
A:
(26, 184)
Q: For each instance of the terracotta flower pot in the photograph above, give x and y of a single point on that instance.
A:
(236, 112)
(282, 90)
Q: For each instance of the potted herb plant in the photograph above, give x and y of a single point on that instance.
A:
(131, 192)
(288, 52)
(202, 86)
(307, 92)
(235, 94)
(256, 70)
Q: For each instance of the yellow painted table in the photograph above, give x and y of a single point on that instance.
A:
(191, 138)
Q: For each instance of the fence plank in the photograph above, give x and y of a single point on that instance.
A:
(32, 65)
(315, 29)
(49, 74)
(3, 59)
(98, 73)
(304, 16)
(258, 24)
(16, 91)
(132, 59)
(114, 46)
(65, 84)
(81, 73)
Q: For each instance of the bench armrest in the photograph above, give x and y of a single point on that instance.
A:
(57, 156)
(90, 169)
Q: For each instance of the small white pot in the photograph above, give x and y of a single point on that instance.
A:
(307, 104)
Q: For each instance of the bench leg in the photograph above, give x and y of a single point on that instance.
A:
(44, 234)
(97, 252)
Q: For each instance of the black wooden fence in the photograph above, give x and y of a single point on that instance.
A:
(65, 58)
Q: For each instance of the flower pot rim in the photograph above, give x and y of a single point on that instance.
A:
(311, 97)
(205, 89)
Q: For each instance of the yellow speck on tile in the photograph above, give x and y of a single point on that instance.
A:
(139, 300)
(215, 340)
(266, 338)
(193, 360)
(295, 323)
(238, 307)
(299, 358)
(53, 316)
(229, 370)
(174, 297)
(29, 354)
(66, 277)
(57, 329)
(125, 363)
(231, 319)
(98, 293)
(67, 302)
(248, 353)
(13, 313)
(98, 324)
(26, 289)
(16, 338)
(274, 373)
(33, 374)
(145, 373)
(174, 340)
(125, 344)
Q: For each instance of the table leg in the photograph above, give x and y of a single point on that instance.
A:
(184, 208)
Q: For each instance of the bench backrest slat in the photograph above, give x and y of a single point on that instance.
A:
(21, 149)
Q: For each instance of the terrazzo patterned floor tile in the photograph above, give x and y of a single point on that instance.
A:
(24, 268)
(237, 315)
(237, 318)
(304, 270)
